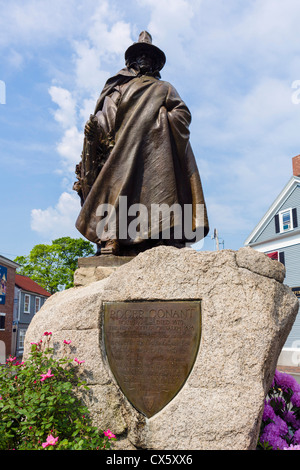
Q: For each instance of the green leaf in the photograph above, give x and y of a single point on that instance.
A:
(31, 411)
(53, 266)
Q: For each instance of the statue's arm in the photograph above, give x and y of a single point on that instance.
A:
(179, 118)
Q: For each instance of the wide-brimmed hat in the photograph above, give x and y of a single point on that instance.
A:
(145, 44)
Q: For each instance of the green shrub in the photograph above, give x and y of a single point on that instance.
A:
(40, 406)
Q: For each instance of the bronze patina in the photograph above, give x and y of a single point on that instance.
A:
(151, 347)
(137, 145)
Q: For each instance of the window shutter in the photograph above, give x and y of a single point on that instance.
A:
(281, 257)
(277, 223)
(295, 218)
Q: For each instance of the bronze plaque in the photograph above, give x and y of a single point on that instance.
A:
(151, 347)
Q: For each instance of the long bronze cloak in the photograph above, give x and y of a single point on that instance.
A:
(152, 161)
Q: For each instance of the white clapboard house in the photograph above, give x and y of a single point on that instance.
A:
(278, 235)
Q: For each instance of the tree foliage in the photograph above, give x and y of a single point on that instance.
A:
(53, 266)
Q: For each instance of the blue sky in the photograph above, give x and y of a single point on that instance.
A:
(233, 63)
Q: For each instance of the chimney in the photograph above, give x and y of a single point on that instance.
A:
(296, 165)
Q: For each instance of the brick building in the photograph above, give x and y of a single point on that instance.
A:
(29, 298)
(20, 299)
(7, 291)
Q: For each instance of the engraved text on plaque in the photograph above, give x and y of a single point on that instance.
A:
(151, 347)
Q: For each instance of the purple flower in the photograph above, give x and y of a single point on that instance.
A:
(278, 433)
(281, 425)
(295, 399)
(271, 437)
(274, 433)
(278, 403)
(286, 381)
(268, 412)
(275, 378)
(291, 419)
(296, 438)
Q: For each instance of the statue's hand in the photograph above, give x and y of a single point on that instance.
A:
(91, 127)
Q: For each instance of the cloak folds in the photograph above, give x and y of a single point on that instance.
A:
(151, 161)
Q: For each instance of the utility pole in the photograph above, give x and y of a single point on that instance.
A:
(216, 237)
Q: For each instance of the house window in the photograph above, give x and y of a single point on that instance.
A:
(27, 303)
(282, 257)
(22, 334)
(273, 255)
(37, 304)
(277, 256)
(2, 321)
(286, 220)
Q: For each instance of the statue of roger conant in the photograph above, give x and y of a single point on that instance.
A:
(136, 150)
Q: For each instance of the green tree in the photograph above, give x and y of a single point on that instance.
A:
(52, 266)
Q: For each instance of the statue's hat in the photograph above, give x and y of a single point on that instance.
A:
(145, 44)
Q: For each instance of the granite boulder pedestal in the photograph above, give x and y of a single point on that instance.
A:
(180, 347)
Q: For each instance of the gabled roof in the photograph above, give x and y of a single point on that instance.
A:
(279, 201)
(25, 283)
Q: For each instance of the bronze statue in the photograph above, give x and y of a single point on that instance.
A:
(137, 146)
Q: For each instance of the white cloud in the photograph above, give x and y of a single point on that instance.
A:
(245, 126)
(251, 138)
(105, 38)
(39, 22)
(108, 41)
(70, 145)
(242, 113)
(15, 59)
(59, 220)
(103, 44)
(258, 116)
(172, 29)
(88, 73)
(233, 62)
(66, 113)
(87, 107)
(70, 148)
(225, 216)
(272, 24)
(172, 16)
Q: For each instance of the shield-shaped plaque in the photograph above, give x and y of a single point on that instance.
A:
(151, 347)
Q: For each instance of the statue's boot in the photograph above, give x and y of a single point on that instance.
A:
(111, 248)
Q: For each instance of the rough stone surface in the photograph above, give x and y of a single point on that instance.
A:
(247, 314)
(260, 263)
(96, 268)
(86, 275)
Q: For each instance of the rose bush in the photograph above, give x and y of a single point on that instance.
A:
(40, 406)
